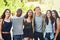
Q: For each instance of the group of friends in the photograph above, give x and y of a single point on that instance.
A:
(32, 26)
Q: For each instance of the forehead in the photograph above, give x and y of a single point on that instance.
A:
(37, 8)
(48, 11)
(30, 11)
(53, 12)
(19, 11)
(7, 10)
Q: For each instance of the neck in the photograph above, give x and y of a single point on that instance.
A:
(48, 18)
(18, 15)
(6, 17)
(38, 14)
(29, 18)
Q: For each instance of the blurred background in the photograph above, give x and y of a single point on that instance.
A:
(25, 5)
(13, 5)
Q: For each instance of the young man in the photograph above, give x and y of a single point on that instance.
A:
(17, 23)
(38, 24)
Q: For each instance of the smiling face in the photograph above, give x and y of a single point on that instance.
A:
(48, 14)
(37, 10)
(7, 13)
(30, 13)
(53, 14)
(19, 12)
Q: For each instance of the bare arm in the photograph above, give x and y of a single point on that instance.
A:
(1, 21)
(58, 29)
(24, 20)
(57, 32)
(0, 25)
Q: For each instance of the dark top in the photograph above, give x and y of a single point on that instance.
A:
(6, 26)
(58, 37)
(28, 25)
(28, 32)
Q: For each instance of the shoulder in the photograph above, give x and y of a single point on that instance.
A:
(13, 17)
(1, 19)
(22, 16)
(34, 14)
(43, 15)
(58, 23)
(58, 20)
(25, 19)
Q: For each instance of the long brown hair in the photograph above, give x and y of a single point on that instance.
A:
(3, 15)
(26, 16)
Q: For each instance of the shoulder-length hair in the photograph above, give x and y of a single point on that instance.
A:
(46, 20)
(36, 8)
(26, 16)
(3, 15)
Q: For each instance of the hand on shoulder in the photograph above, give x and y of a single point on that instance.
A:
(25, 19)
(58, 20)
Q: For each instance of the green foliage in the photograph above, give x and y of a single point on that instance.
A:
(13, 5)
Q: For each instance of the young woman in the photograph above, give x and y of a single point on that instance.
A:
(0, 29)
(28, 30)
(57, 35)
(48, 25)
(55, 17)
(6, 25)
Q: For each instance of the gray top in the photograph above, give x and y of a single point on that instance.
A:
(49, 27)
(38, 23)
(17, 23)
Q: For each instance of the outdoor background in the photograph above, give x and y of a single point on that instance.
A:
(13, 5)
